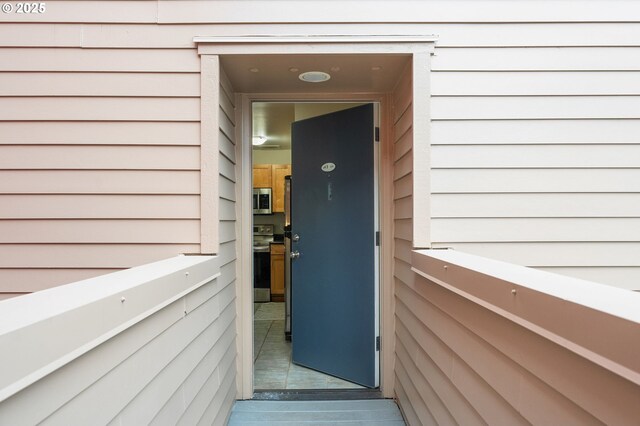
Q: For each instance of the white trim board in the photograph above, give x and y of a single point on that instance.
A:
(311, 38)
(314, 45)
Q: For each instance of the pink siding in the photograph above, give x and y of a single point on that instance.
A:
(470, 351)
(106, 108)
(101, 169)
(165, 356)
(99, 132)
(99, 159)
(408, 395)
(104, 83)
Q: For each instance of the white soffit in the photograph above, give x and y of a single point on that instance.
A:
(273, 73)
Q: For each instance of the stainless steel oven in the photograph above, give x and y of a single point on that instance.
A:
(261, 200)
(262, 238)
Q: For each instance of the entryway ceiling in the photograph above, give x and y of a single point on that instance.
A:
(279, 73)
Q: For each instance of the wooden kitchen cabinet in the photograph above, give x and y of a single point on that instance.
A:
(279, 171)
(277, 272)
(272, 176)
(262, 175)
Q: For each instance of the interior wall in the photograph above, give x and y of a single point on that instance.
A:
(271, 156)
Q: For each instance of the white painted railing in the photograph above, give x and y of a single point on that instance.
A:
(153, 343)
(485, 341)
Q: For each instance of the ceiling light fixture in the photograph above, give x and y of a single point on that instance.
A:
(294, 69)
(314, 76)
(254, 69)
(259, 140)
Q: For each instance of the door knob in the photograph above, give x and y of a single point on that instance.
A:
(296, 237)
(294, 254)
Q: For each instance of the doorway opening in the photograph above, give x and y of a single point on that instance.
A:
(312, 345)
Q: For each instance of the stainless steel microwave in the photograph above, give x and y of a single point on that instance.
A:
(261, 200)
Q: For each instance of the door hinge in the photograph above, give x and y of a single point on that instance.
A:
(377, 132)
(378, 343)
(377, 238)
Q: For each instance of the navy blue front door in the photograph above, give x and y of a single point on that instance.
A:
(333, 213)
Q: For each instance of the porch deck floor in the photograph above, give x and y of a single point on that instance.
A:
(375, 412)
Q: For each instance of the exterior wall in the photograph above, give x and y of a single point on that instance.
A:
(535, 149)
(179, 364)
(518, 90)
(163, 355)
(402, 117)
(469, 351)
(99, 160)
(533, 133)
(227, 174)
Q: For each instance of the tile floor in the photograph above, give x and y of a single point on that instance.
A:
(272, 356)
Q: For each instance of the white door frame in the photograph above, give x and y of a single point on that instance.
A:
(415, 46)
(245, 163)
(245, 156)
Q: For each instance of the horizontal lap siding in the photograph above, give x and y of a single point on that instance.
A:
(198, 343)
(158, 61)
(100, 170)
(112, 84)
(180, 35)
(176, 366)
(202, 385)
(481, 367)
(27, 280)
(75, 132)
(256, 11)
(93, 206)
(217, 398)
(74, 60)
(411, 395)
(93, 157)
(536, 148)
(99, 159)
(535, 160)
(179, 11)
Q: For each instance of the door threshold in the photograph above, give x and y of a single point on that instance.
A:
(316, 394)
